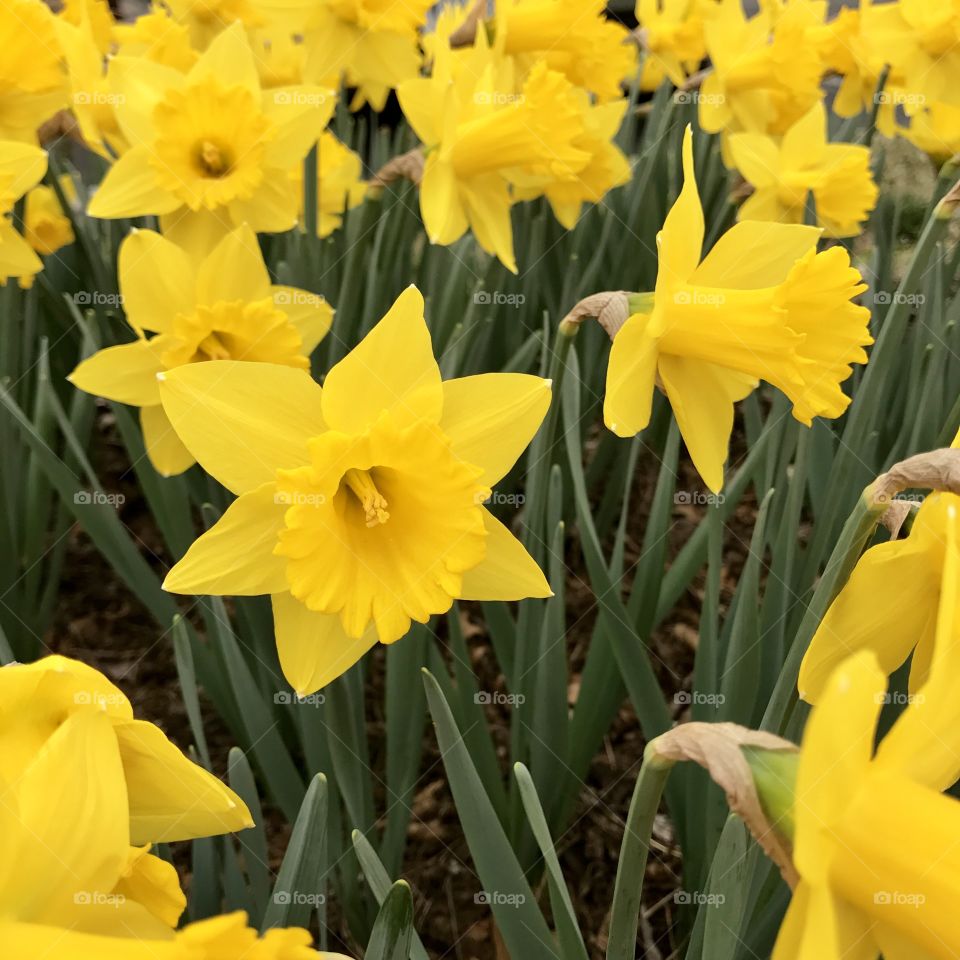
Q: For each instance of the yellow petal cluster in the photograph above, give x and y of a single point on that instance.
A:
(84, 790)
(360, 506)
(22, 166)
(222, 308)
(762, 305)
(863, 890)
(209, 150)
(671, 33)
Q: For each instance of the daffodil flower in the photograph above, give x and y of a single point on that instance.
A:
(33, 75)
(223, 308)
(371, 44)
(875, 840)
(209, 149)
(762, 305)
(166, 797)
(46, 226)
(22, 166)
(157, 37)
(81, 784)
(480, 136)
(672, 32)
(573, 37)
(783, 174)
(762, 80)
(889, 604)
(360, 505)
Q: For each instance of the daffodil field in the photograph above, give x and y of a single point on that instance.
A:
(502, 428)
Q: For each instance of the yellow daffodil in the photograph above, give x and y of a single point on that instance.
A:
(223, 308)
(759, 83)
(783, 172)
(371, 44)
(935, 130)
(762, 305)
(360, 506)
(889, 604)
(607, 167)
(168, 797)
(22, 166)
(205, 19)
(157, 37)
(574, 37)
(47, 228)
(863, 891)
(922, 42)
(209, 149)
(672, 35)
(339, 183)
(480, 136)
(33, 75)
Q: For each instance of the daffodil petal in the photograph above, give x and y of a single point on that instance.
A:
(154, 884)
(313, 647)
(273, 207)
(235, 556)
(487, 201)
(491, 418)
(157, 280)
(392, 368)
(308, 312)
(507, 572)
(28, 941)
(229, 60)
(819, 924)
(680, 242)
(196, 231)
(631, 378)
(172, 798)
(299, 115)
(804, 143)
(57, 858)
(702, 396)
(138, 84)
(888, 606)
(130, 189)
(418, 100)
(234, 270)
(17, 257)
(753, 255)
(444, 217)
(756, 157)
(243, 421)
(164, 448)
(126, 373)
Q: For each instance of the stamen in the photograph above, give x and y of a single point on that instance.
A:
(212, 159)
(371, 499)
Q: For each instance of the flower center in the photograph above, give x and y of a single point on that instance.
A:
(374, 503)
(212, 160)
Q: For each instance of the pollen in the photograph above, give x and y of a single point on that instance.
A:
(374, 503)
(212, 159)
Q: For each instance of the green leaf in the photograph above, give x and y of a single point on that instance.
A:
(393, 929)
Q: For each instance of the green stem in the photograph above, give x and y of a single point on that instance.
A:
(632, 864)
